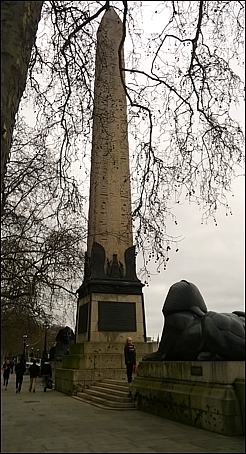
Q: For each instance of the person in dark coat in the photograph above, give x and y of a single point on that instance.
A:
(6, 373)
(46, 373)
(20, 369)
(11, 362)
(130, 358)
(34, 372)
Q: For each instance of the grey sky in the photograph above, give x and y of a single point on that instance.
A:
(211, 257)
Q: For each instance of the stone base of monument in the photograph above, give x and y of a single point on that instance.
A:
(90, 362)
(207, 395)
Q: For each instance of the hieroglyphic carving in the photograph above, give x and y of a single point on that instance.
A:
(110, 197)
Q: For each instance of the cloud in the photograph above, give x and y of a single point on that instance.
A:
(211, 257)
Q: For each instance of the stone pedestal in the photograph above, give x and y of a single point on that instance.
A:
(104, 321)
(90, 362)
(204, 394)
(108, 317)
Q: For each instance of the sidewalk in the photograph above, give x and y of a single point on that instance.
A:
(53, 422)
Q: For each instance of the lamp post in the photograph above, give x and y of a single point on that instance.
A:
(24, 347)
(27, 352)
(45, 354)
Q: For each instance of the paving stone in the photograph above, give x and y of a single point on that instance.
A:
(58, 423)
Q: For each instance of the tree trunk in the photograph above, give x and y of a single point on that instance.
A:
(19, 23)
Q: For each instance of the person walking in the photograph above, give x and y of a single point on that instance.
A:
(130, 358)
(20, 369)
(34, 372)
(11, 362)
(46, 373)
(6, 373)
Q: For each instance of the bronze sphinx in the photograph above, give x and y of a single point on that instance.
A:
(191, 332)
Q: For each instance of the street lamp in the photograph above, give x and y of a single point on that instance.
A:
(45, 354)
(24, 347)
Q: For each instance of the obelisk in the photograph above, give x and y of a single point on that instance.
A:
(110, 303)
(110, 299)
(110, 195)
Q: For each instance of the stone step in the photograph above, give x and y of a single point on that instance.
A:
(115, 384)
(110, 391)
(104, 403)
(100, 392)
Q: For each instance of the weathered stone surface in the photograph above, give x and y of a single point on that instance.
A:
(239, 385)
(225, 372)
(209, 401)
(91, 361)
(110, 195)
(71, 381)
(110, 347)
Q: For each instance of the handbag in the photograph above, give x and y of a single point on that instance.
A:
(50, 383)
(135, 366)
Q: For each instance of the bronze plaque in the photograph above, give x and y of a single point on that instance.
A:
(115, 316)
(196, 370)
(83, 319)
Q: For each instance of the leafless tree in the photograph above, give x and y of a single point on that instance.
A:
(183, 81)
(43, 234)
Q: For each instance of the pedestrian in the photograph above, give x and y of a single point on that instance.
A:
(20, 369)
(46, 373)
(6, 373)
(130, 358)
(34, 372)
(14, 362)
(11, 362)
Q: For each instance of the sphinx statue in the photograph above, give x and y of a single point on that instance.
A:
(64, 338)
(192, 333)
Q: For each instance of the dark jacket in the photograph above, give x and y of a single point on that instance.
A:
(46, 369)
(6, 370)
(20, 369)
(34, 370)
(130, 354)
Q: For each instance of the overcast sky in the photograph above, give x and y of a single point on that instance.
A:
(211, 257)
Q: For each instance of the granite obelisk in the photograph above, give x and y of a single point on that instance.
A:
(110, 195)
(111, 293)
(110, 299)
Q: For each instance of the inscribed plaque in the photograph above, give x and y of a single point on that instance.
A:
(115, 316)
(83, 319)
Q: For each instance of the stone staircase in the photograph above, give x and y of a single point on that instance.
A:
(108, 394)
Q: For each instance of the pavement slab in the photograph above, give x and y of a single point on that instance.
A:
(54, 422)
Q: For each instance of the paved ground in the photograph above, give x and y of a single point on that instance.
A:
(53, 422)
